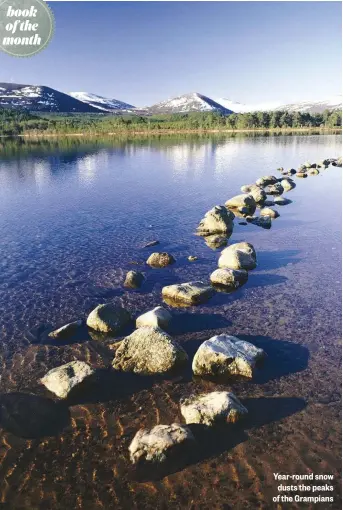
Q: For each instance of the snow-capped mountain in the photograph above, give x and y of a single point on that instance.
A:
(193, 102)
(40, 98)
(100, 102)
(332, 103)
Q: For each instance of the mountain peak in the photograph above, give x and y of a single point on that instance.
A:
(190, 102)
(100, 102)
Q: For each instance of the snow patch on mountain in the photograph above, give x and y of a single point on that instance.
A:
(100, 102)
(192, 102)
(319, 106)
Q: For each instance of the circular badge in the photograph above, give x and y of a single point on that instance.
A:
(26, 26)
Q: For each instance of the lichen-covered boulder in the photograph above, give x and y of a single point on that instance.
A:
(216, 241)
(133, 279)
(231, 278)
(238, 256)
(159, 317)
(242, 201)
(158, 260)
(66, 332)
(274, 189)
(217, 220)
(212, 408)
(108, 318)
(161, 444)
(63, 379)
(267, 211)
(287, 184)
(225, 355)
(266, 180)
(149, 351)
(190, 293)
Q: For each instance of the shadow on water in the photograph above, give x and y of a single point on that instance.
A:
(30, 416)
(276, 259)
(213, 441)
(195, 322)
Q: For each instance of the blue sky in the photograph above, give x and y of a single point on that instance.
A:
(144, 52)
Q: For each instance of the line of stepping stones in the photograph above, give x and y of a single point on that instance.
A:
(150, 350)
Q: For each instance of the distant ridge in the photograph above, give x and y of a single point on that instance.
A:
(193, 102)
(100, 102)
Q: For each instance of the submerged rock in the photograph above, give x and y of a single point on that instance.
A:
(66, 332)
(232, 278)
(151, 243)
(266, 211)
(133, 279)
(287, 184)
(212, 408)
(190, 293)
(262, 221)
(158, 260)
(162, 444)
(159, 317)
(266, 180)
(275, 189)
(239, 202)
(238, 256)
(63, 379)
(282, 201)
(216, 241)
(149, 351)
(225, 355)
(216, 221)
(108, 318)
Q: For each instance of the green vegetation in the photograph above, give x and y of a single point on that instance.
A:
(19, 123)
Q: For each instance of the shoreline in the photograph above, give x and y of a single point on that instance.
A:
(158, 132)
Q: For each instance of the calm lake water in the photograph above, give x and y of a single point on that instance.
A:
(73, 218)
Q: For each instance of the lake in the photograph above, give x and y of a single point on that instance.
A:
(74, 215)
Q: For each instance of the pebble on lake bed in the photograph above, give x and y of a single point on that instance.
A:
(151, 243)
(159, 260)
(63, 379)
(212, 408)
(225, 355)
(192, 258)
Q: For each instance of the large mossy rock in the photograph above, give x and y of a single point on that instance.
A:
(238, 256)
(225, 355)
(108, 318)
(212, 408)
(217, 220)
(149, 351)
(190, 293)
(63, 379)
(242, 202)
(158, 260)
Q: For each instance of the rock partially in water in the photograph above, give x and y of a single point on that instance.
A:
(149, 351)
(190, 293)
(266, 180)
(218, 220)
(63, 379)
(301, 174)
(134, 280)
(163, 444)
(159, 317)
(313, 171)
(151, 243)
(287, 184)
(259, 195)
(338, 162)
(266, 211)
(238, 256)
(192, 258)
(159, 260)
(108, 318)
(275, 189)
(66, 332)
(282, 201)
(232, 278)
(247, 188)
(324, 163)
(212, 408)
(262, 221)
(247, 202)
(225, 355)
(216, 241)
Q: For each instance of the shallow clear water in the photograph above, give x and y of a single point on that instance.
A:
(73, 218)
